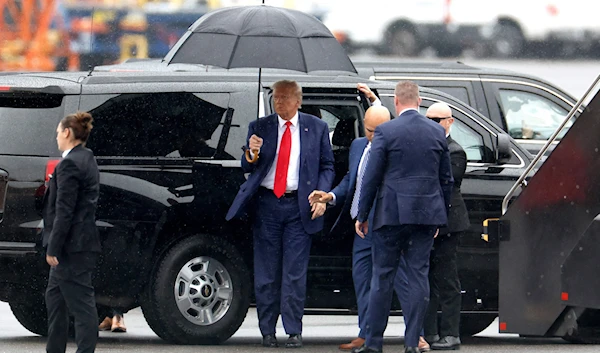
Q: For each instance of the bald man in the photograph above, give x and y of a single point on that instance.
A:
(443, 272)
(347, 194)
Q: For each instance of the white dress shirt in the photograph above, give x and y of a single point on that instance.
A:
(294, 165)
(407, 109)
(65, 153)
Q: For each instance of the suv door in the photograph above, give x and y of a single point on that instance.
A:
(147, 145)
(330, 267)
(528, 112)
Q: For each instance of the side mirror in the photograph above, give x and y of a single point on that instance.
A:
(503, 153)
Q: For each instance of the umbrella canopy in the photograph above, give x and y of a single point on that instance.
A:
(262, 37)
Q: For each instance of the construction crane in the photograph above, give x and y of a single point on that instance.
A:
(34, 37)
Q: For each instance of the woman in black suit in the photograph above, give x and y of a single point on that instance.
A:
(71, 238)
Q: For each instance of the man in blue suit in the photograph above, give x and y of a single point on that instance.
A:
(411, 177)
(295, 159)
(345, 194)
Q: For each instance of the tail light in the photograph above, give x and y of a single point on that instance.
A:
(50, 166)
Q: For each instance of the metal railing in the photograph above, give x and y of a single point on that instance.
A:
(521, 181)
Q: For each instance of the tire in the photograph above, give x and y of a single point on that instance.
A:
(507, 41)
(402, 40)
(474, 323)
(584, 335)
(32, 316)
(212, 283)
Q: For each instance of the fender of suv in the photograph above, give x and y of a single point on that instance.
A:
(168, 145)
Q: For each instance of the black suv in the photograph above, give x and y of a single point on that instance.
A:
(528, 108)
(168, 145)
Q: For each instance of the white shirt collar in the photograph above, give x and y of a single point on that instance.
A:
(407, 109)
(65, 153)
(294, 120)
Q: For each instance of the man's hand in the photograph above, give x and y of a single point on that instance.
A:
(367, 91)
(255, 143)
(52, 260)
(362, 228)
(319, 196)
(318, 209)
(437, 232)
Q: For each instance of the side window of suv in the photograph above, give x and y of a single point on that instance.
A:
(470, 140)
(171, 125)
(530, 116)
(342, 117)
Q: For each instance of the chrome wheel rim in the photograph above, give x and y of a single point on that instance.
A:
(203, 291)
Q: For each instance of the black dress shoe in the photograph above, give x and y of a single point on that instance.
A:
(365, 349)
(446, 343)
(294, 341)
(270, 341)
(412, 350)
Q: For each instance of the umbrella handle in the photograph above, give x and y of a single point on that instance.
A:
(249, 159)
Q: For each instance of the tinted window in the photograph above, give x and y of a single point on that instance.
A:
(160, 125)
(530, 116)
(470, 140)
(342, 121)
(458, 92)
(28, 124)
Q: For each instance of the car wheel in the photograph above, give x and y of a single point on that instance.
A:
(507, 41)
(584, 335)
(199, 292)
(402, 41)
(32, 316)
(472, 324)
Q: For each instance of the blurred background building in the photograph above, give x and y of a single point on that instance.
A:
(46, 35)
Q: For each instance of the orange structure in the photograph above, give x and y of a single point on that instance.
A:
(33, 37)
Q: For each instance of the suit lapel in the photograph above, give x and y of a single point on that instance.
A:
(269, 135)
(304, 130)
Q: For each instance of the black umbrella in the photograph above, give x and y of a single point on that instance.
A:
(261, 37)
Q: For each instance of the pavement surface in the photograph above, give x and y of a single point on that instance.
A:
(321, 334)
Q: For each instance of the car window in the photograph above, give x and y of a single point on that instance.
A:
(470, 140)
(531, 116)
(171, 125)
(459, 92)
(28, 122)
(342, 120)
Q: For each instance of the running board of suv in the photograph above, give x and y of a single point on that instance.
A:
(16, 248)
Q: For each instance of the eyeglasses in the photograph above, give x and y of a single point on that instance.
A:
(437, 120)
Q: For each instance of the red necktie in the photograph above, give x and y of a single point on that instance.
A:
(283, 161)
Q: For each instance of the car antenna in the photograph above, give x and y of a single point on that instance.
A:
(90, 67)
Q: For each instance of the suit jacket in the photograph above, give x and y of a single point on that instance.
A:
(458, 217)
(344, 191)
(70, 205)
(410, 165)
(316, 165)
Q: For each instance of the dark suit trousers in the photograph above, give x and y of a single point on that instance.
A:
(281, 253)
(413, 242)
(362, 272)
(70, 290)
(445, 288)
